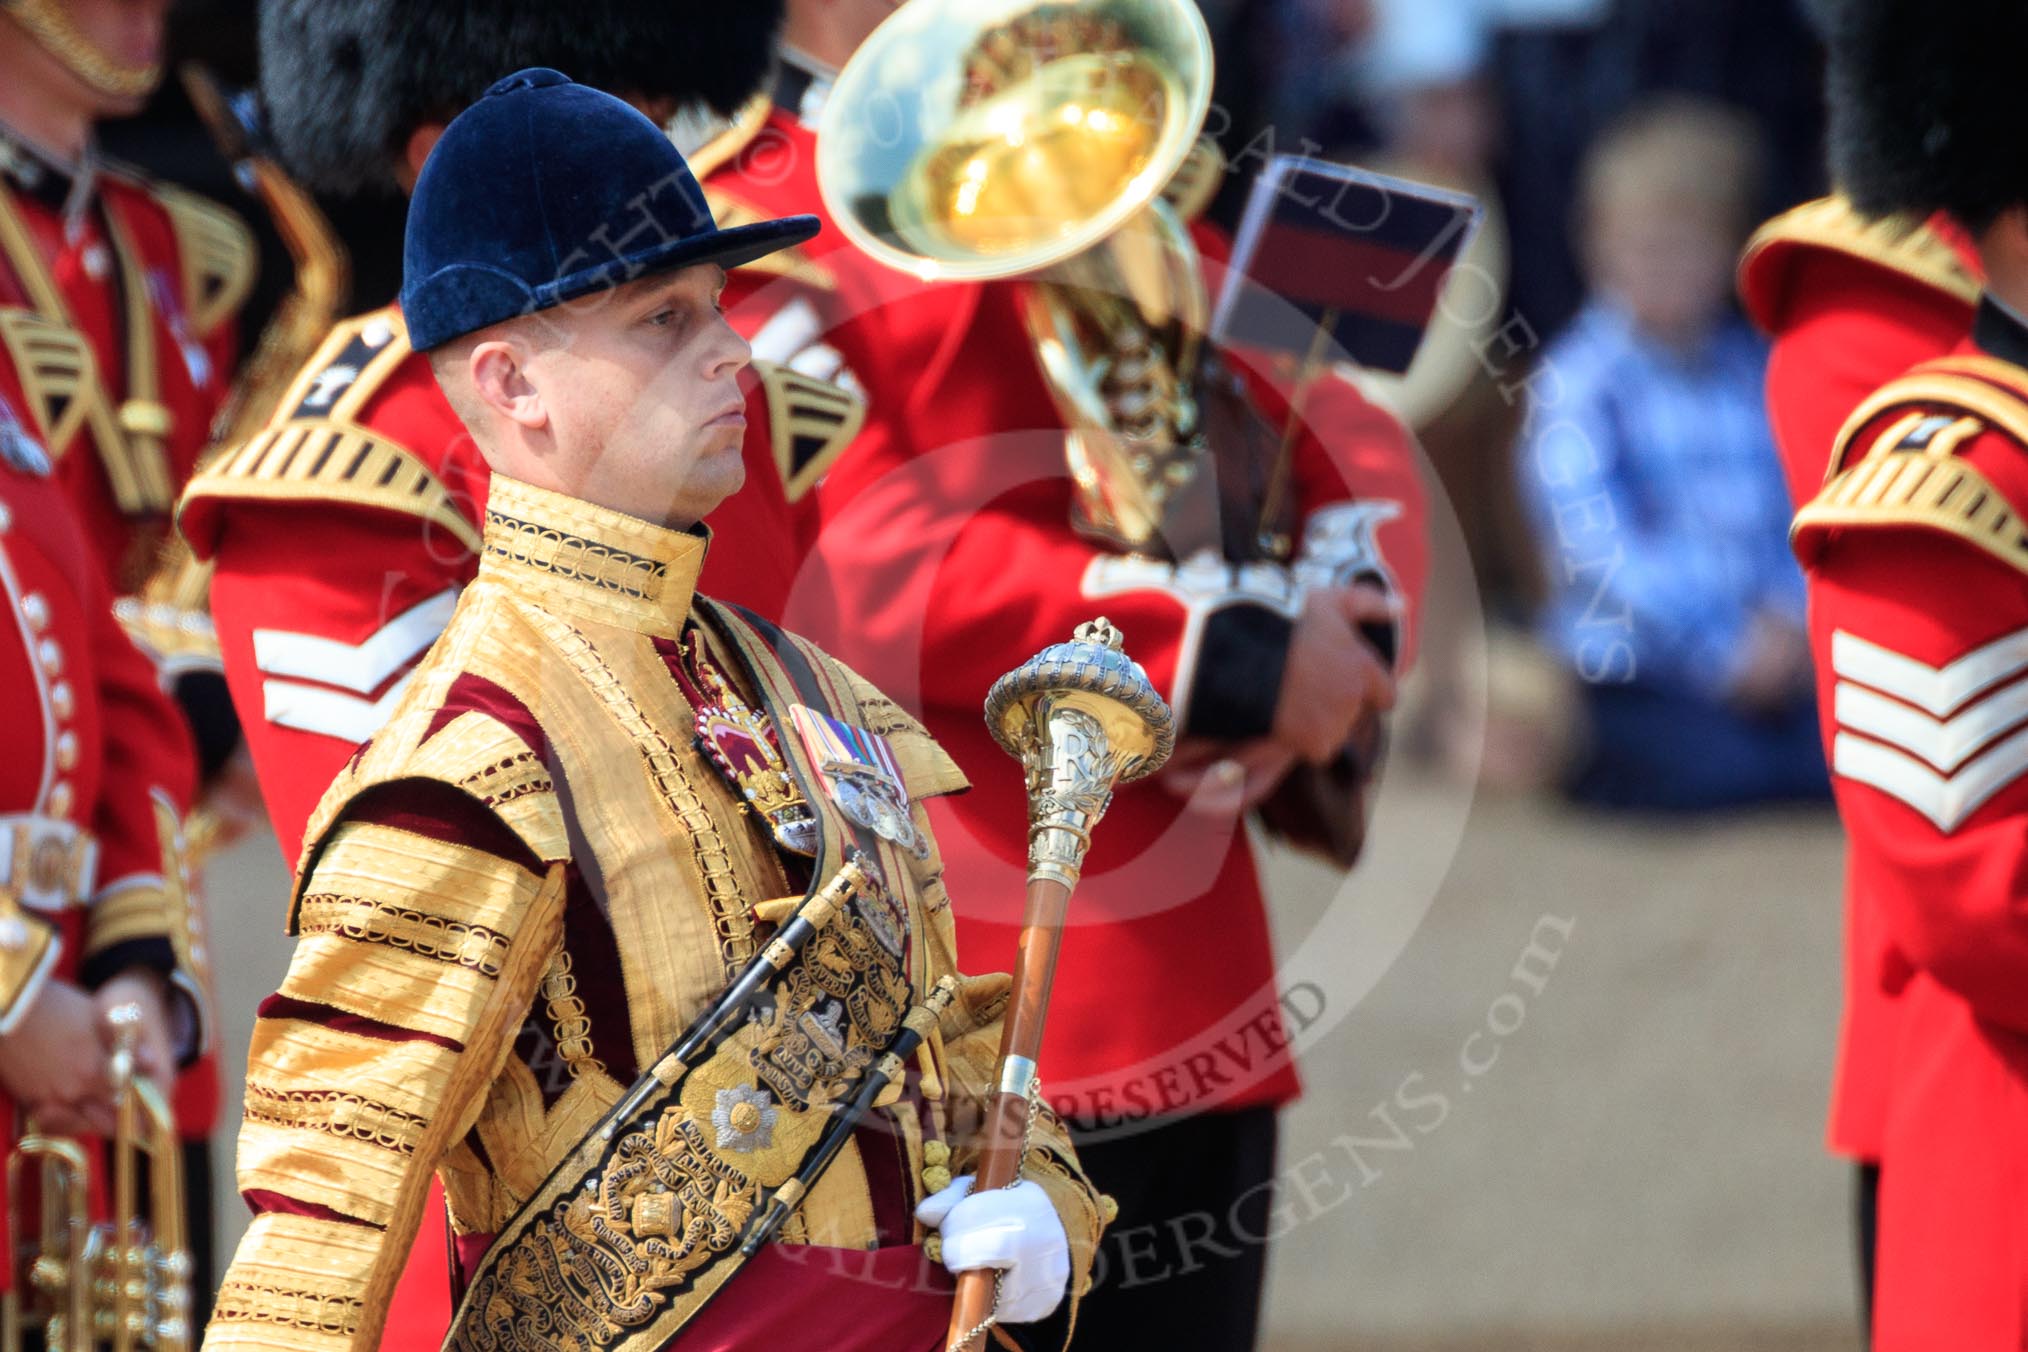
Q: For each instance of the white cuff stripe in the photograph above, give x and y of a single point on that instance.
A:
(1201, 585)
(129, 882)
(362, 667)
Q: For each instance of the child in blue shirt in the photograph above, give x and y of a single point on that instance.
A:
(1650, 474)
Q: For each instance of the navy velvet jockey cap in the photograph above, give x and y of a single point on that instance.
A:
(544, 191)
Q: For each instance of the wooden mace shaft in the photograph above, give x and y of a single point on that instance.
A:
(1006, 1125)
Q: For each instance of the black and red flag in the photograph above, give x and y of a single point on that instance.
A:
(1360, 254)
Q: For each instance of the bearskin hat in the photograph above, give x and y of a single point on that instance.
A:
(345, 82)
(1923, 114)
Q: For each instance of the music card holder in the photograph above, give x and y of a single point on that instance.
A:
(1363, 257)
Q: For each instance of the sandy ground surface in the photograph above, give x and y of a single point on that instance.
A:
(1613, 1142)
(1641, 1166)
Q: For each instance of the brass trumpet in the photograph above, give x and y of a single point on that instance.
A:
(123, 1283)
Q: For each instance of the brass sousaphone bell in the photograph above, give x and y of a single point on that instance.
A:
(974, 140)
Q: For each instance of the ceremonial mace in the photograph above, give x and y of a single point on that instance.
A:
(1080, 717)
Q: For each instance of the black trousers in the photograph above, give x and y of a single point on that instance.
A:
(1183, 1264)
(203, 1230)
(1866, 1214)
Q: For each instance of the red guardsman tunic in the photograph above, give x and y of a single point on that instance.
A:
(96, 769)
(1916, 557)
(1849, 306)
(947, 558)
(151, 277)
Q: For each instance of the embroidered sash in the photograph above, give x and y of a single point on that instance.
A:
(640, 1225)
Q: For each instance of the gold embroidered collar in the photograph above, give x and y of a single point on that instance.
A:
(582, 561)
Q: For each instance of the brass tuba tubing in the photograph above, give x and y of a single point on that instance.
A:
(979, 139)
(1039, 140)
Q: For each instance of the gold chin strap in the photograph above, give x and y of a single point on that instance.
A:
(49, 23)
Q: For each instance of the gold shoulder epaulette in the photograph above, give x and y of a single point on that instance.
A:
(812, 421)
(348, 367)
(57, 374)
(1944, 401)
(1895, 243)
(218, 256)
(170, 618)
(314, 451)
(333, 462)
(1915, 488)
(1911, 473)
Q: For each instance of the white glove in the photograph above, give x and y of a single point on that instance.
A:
(1014, 1229)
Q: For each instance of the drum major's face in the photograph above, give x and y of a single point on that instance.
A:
(644, 397)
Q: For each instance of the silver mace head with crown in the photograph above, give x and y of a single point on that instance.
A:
(1080, 717)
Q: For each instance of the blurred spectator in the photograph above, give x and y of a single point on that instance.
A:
(1567, 68)
(1422, 71)
(1650, 472)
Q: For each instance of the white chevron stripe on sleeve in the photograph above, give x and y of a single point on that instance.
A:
(1936, 689)
(788, 332)
(1946, 802)
(1945, 743)
(331, 713)
(363, 666)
